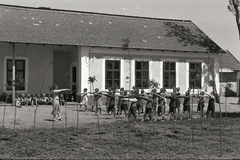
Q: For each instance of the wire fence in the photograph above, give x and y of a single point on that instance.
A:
(123, 127)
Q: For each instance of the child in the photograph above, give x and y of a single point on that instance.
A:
(23, 100)
(163, 102)
(201, 104)
(83, 98)
(139, 102)
(62, 100)
(49, 99)
(142, 101)
(123, 102)
(39, 99)
(18, 101)
(110, 102)
(56, 106)
(186, 103)
(120, 101)
(35, 100)
(172, 105)
(149, 107)
(132, 105)
(158, 104)
(160, 109)
(211, 105)
(43, 99)
(97, 100)
(177, 99)
(155, 102)
(29, 99)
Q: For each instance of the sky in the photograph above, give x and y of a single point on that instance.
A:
(211, 16)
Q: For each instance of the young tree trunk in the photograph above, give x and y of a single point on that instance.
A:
(215, 94)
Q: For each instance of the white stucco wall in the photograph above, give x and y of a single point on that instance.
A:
(90, 61)
(156, 58)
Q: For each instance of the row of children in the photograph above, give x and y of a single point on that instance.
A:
(153, 103)
(37, 99)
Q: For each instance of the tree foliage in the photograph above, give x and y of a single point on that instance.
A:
(153, 84)
(188, 37)
(92, 79)
(19, 83)
(194, 38)
(234, 8)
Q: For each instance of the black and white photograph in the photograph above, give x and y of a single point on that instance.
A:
(119, 79)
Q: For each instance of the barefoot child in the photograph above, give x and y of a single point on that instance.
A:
(149, 107)
(177, 99)
(172, 105)
(132, 105)
(84, 98)
(122, 102)
(160, 109)
(97, 100)
(110, 102)
(186, 103)
(162, 102)
(201, 104)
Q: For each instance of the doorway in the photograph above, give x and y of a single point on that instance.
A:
(74, 82)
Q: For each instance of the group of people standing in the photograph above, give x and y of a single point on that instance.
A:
(153, 105)
(133, 102)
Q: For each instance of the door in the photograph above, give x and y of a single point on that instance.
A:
(74, 82)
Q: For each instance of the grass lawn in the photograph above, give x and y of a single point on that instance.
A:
(121, 139)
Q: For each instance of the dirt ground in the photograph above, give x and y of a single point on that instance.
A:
(25, 115)
(118, 138)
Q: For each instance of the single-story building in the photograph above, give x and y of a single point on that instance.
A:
(63, 47)
(229, 74)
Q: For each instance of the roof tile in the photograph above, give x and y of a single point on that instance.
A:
(44, 26)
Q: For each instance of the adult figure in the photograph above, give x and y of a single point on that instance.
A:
(56, 106)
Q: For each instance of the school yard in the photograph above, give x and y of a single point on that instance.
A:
(25, 115)
(117, 138)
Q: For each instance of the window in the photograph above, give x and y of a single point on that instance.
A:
(195, 75)
(169, 74)
(141, 74)
(19, 72)
(112, 73)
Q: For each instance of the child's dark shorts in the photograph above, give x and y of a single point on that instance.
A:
(124, 107)
(133, 110)
(172, 109)
(148, 110)
(186, 107)
(159, 110)
(111, 108)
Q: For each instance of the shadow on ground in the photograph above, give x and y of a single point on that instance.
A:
(231, 115)
(48, 119)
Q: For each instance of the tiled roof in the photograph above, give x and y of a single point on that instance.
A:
(230, 62)
(63, 27)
